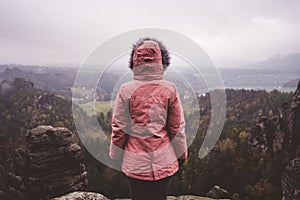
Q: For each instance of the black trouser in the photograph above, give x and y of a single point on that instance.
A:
(149, 190)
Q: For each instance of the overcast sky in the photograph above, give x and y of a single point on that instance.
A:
(49, 32)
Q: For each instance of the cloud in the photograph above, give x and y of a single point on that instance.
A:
(232, 32)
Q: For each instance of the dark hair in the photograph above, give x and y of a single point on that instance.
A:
(164, 52)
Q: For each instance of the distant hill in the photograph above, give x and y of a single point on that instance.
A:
(291, 84)
(289, 62)
(279, 71)
(58, 79)
(272, 73)
(46, 78)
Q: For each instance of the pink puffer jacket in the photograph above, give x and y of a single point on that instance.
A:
(148, 124)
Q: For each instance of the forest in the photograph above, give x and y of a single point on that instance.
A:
(246, 170)
(234, 163)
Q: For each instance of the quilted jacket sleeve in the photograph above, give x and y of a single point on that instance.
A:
(120, 123)
(176, 127)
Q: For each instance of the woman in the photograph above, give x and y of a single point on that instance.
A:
(148, 124)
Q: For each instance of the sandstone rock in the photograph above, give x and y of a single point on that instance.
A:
(263, 135)
(3, 183)
(54, 163)
(295, 121)
(12, 183)
(282, 132)
(171, 198)
(192, 197)
(9, 85)
(218, 193)
(290, 181)
(96, 196)
(47, 101)
(50, 165)
(122, 199)
(82, 196)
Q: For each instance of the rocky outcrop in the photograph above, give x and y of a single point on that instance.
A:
(82, 196)
(218, 193)
(96, 196)
(191, 197)
(294, 124)
(3, 182)
(55, 163)
(47, 101)
(281, 132)
(9, 85)
(290, 181)
(11, 174)
(51, 165)
(263, 135)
